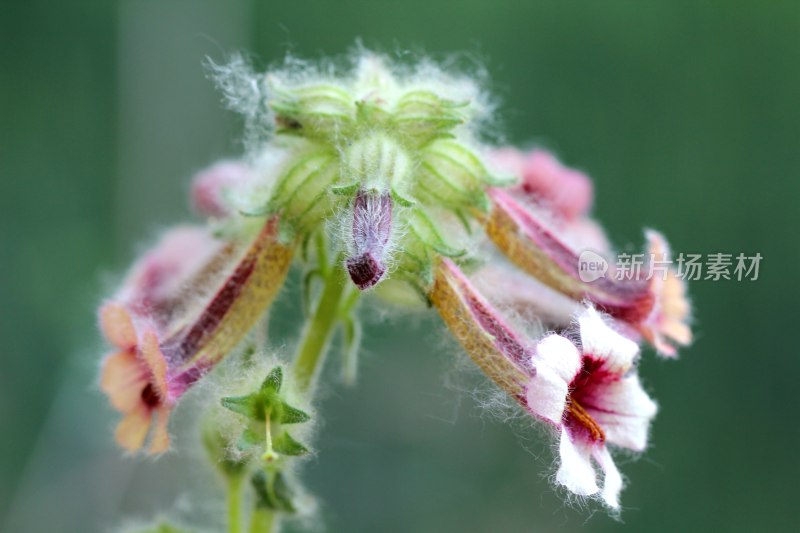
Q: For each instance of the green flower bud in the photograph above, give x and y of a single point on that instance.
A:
(315, 110)
(423, 115)
(377, 162)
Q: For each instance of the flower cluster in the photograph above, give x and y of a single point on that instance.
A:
(379, 176)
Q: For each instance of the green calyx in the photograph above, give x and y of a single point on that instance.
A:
(266, 400)
(266, 412)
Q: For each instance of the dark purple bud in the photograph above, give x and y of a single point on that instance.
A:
(372, 227)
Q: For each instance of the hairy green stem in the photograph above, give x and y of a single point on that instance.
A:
(317, 333)
(235, 503)
(262, 520)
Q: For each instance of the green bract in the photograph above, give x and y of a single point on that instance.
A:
(266, 411)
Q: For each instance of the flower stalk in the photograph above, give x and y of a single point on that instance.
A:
(235, 485)
(317, 333)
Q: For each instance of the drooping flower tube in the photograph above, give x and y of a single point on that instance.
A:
(167, 337)
(655, 308)
(500, 352)
(590, 396)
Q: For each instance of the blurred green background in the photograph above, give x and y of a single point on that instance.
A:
(686, 113)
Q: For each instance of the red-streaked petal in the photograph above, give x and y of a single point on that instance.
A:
(614, 353)
(623, 409)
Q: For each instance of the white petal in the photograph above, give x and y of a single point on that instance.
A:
(612, 482)
(556, 361)
(601, 342)
(624, 411)
(547, 394)
(576, 472)
(558, 354)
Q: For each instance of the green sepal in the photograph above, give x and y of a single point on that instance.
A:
(273, 381)
(432, 123)
(345, 190)
(465, 220)
(292, 111)
(402, 199)
(291, 415)
(266, 399)
(422, 226)
(241, 405)
(458, 167)
(482, 202)
(286, 445)
(367, 111)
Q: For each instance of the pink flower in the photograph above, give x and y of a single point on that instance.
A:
(166, 338)
(211, 187)
(594, 397)
(135, 379)
(546, 180)
(667, 324)
(157, 279)
(654, 308)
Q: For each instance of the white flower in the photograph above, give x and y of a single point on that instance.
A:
(594, 397)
